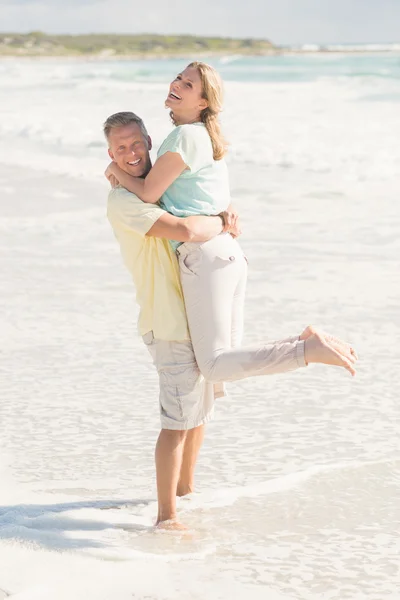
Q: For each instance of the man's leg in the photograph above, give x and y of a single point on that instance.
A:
(186, 403)
(191, 449)
(169, 452)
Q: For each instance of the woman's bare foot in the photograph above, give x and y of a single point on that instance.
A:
(341, 345)
(311, 330)
(329, 351)
(171, 525)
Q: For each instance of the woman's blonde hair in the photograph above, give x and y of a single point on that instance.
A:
(212, 91)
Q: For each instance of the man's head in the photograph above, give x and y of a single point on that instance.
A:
(128, 143)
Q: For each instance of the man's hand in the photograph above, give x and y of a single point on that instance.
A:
(230, 216)
(236, 230)
(231, 221)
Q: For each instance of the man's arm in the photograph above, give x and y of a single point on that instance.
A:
(187, 229)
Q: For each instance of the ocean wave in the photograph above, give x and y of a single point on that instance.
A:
(347, 124)
(393, 47)
(20, 74)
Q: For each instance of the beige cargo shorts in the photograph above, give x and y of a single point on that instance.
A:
(186, 398)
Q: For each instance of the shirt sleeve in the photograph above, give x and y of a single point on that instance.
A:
(127, 211)
(190, 144)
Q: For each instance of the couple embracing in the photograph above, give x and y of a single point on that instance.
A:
(177, 233)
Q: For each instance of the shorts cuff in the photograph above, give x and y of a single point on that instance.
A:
(170, 424)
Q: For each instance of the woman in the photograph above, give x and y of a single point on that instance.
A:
(191, 178)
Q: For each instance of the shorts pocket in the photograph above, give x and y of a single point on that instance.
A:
(181, 392)
(148, 338)
(151, 345)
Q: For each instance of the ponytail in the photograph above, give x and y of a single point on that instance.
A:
(210, 120)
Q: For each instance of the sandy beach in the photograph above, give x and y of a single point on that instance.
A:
(298, 482)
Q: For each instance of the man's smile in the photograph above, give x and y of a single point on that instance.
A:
(133, 163)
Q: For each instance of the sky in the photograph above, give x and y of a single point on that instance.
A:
(281, 21)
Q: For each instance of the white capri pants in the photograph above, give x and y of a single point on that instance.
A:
(213, 276)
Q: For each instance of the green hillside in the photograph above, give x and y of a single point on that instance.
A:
(37, 43)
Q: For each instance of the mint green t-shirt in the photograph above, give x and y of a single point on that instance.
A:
(203, 188)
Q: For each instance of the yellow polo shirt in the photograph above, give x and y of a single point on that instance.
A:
(152, 265)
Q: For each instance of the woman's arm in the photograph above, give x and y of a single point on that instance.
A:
(166, 169)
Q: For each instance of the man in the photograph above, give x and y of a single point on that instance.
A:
(186, 399)
(143, 230)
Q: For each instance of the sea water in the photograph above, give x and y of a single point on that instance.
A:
(298, 482)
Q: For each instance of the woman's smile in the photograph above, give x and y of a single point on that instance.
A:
(175, 96)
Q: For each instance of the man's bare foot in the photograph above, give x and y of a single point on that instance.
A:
(183, 489)
(318, 349)
(171, 525)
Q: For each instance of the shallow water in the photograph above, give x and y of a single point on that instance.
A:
(298, 481)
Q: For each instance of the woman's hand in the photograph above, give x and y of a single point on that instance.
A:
(114, 181)
(110, 171)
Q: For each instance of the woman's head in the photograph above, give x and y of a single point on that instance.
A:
(196, 95)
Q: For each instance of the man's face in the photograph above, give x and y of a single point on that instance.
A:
(129, 148)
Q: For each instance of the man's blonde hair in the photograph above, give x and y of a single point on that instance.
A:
(122, 119)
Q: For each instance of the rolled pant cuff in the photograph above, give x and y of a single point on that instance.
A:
(300, 353)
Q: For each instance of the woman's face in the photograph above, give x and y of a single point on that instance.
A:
(185, 92)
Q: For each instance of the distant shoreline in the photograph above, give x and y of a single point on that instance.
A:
(115, 47)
